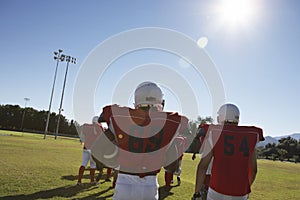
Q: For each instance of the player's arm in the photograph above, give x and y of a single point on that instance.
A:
(201, 170)
(196, 143)
(195, 146)
(206, 157)
(252, 167)
(172, 152)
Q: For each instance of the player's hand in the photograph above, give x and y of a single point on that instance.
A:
(194, 157)
(197, 196)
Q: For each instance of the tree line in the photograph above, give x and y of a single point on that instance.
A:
(287, 149)
(15, 118)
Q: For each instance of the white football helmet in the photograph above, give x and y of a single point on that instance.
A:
(228, 113)
(148, 94)
(95, 119)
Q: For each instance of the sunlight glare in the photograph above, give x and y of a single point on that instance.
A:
(237, 12)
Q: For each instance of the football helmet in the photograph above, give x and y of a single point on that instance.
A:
(148, 94)
(95, 119)
(228, 113)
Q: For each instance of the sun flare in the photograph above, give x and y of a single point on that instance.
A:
(236, 12)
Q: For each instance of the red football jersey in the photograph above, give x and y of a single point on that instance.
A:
(90, 133)
(232, 147)
(143, 137)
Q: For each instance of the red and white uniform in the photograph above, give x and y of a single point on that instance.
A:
(181, 143)
(232, 147)
(143, 139)
(90, 132)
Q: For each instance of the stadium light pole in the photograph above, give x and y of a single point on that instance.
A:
(25, 99)
(59, 58)
(68, 60)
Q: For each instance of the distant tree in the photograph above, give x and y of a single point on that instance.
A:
(282, 154)
(11, 118)
(270, 150)
(205, 120)
(194, 125)
(296, 158)
(287, 149)
(274, 156)
(297, 153)
(289, 144)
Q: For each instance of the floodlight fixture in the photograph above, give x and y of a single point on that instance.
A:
(68, 59)
(62, 58)
(23, 117)
(73, 60)
(58, 58)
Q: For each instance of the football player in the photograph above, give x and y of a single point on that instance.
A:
(232, 148)
(181, 144)
(88, 134)
(139, 142)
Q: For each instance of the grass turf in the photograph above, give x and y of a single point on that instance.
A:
(34, 168)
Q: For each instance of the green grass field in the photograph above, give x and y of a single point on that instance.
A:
(34, 168)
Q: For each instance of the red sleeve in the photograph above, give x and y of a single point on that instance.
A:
(261, 137)
(106, 113)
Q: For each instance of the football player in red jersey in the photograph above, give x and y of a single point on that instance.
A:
(139, 142)
(88, 134)
(181, 144)
(232, 148)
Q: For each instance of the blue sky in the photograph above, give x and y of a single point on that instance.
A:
(257, 57)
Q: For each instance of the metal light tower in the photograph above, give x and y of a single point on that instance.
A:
(25, 99)
(68, 60)
(59, 58)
